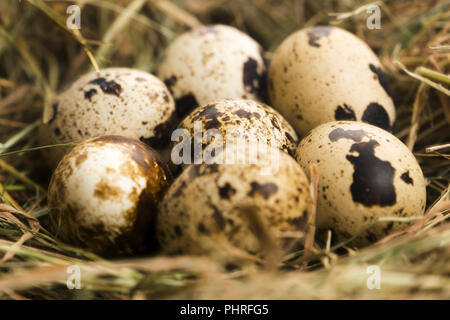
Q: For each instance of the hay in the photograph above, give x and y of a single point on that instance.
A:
(39, 57)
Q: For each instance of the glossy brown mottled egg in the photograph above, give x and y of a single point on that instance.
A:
(247, 121)
(114, 101)
(365, 173)
(203, 208)
(212, 62)
(321, 74)
(104, 194)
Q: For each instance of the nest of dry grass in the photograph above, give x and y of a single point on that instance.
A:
(38, 57)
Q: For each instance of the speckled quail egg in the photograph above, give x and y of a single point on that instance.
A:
(323, 74)
(205, 209)
(212, 62)
(114, 101)
(365, 173)
(246, 121)
(104, 195)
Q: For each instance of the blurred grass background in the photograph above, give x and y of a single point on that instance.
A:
(39, 57)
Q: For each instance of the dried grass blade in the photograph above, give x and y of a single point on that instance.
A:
(311, 223)
(119, 24)
(7, 212)
(416, 76)
(177, 13)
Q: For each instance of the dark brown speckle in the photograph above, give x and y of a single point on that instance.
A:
(376, 115)
(406, 178)
(317, 33)
(108, 87)
(265, 190)
(344, 113)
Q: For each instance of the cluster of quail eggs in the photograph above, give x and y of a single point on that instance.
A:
(323, 100)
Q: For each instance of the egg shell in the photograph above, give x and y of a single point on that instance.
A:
(245, 120)
(322, 74)
(212, 62)
(114, 101)
(365, 173)
(203, 208)
(104, 193)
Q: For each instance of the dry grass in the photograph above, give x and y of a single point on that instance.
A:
(38, 57)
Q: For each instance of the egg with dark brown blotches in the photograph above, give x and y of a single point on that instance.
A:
(206, 208)
(321, 74)
(113, 101)
(103, 195)
(212, 62)
(217, 123)
(365, 173)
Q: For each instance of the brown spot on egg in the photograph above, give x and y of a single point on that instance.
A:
(373, 179)
(265, 189)
(88, 94)
(54, 112)
(290, 138)
(243, 114)
(316, 33)
(355, 135)
(382, 79)
(218, 217)
(298, 221)
(344, 113)
(406, 178)
(375, 114)
(253, 81)
(197, 170)
(202, 229)
(108, 87)
(226, 191)
(179, 190)
(80, 159)
(106, 191)
(211, 115)
(170, 82)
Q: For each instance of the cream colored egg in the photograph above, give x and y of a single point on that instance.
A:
(365, 173)
(206, 208)
(212, 62)
(114, 101)
(220, 122)
(323, 74)
(104, 194)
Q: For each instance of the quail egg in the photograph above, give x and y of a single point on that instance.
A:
(104, 194)
(323, 74)
(365, 173)
(224, 121)
(206, 205)
(114, 101)
(212, 62)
